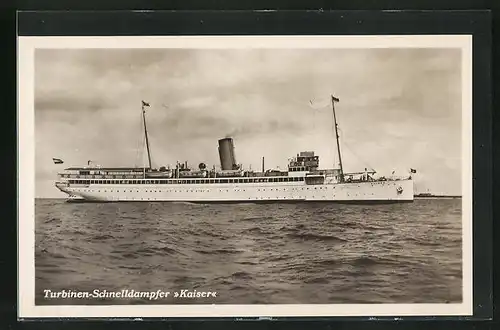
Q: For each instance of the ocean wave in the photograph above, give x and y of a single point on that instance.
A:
(259, 218)
(315, 236)
(242, 275)
(372, 261)
(219, 251)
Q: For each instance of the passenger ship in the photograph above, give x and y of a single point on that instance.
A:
(303, 181)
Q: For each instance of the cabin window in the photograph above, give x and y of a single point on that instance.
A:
(148, 182)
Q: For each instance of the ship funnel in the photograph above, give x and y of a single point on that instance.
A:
(226, 154)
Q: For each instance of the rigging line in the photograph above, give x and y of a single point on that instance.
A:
(354, 153)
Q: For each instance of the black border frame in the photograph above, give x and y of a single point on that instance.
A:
(319, 22)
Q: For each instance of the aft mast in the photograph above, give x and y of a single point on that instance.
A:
(334, 100)
(144, 105)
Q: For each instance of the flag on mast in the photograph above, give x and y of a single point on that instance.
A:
(412, 170)
(57, 161)
(145, 104)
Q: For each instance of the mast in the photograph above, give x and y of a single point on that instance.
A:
(144, 104)
(334, 99)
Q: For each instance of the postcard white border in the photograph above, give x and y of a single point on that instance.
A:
(26, 176)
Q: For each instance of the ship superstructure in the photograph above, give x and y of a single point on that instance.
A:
(303, 180)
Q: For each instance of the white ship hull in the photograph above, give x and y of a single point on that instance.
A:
(375, 191)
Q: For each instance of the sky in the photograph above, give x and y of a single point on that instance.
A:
(398, 109)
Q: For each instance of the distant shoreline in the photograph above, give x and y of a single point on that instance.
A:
(436, 196)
